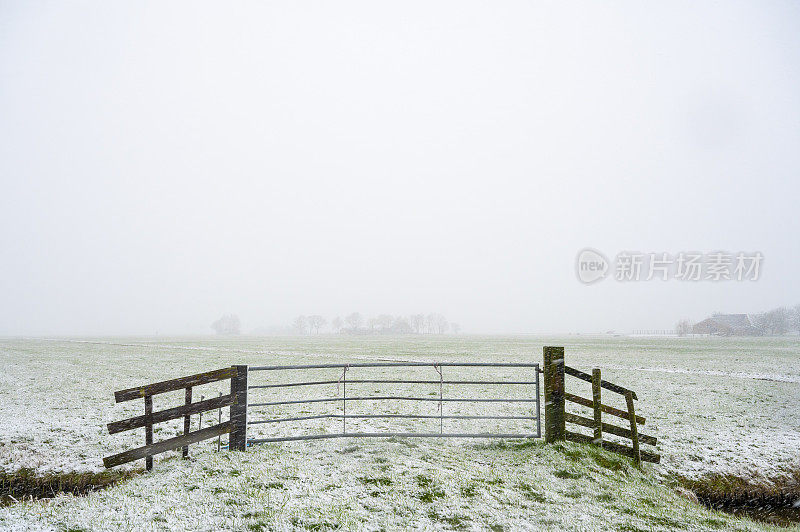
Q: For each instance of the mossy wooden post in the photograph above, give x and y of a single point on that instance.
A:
(554, 421)
(637, 457)
(598, 419)
(187, 420)
(238, 437)
(148, 429)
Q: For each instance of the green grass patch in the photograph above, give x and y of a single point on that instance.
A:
(376, 481)
(530, 493)
(470, 490)
(430, 490)
(457, 522)
(563, 473)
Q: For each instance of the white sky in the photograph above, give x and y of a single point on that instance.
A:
(162, 163)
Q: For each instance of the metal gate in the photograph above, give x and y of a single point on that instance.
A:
(341, 400)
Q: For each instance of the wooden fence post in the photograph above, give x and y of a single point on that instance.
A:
(187, 420)
(554, 420)
(238, 438)
(148, 429)
(637, 457)
(598, 419)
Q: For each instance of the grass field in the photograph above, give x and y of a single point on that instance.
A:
(723, 405)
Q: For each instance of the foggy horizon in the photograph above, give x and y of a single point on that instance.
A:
(164, 164)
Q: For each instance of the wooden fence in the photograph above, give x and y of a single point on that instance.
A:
(236, 426)
(556, 416)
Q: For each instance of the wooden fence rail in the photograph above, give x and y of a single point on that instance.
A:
(556, 416)
(236, 400)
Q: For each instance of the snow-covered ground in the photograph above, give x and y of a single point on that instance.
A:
(718, 404)
(714, 404)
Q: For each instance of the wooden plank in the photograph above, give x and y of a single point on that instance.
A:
(610, 429)
(187, 420)
(605, 384)
(553, 394)
(607, 409)
(615, 447)
(166, 445)
(175, 384)
(637, 458)
(598, 412)
(172, 413)
(148, 427)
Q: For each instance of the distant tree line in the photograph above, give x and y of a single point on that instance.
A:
(355, 323)
(228, 324)
(777, 321)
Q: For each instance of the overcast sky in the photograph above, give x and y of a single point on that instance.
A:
(163, 163)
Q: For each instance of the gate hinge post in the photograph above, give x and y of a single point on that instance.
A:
(238, 437)
(554, 419)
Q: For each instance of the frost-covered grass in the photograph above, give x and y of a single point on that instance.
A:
(723, 405)
(393, 485)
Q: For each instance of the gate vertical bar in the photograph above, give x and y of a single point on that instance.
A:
(237, 441)
(344, 401)
(148, 428)
(187, 420)
(440, 370)
(538, 407)
(554, 419)
(598, 413)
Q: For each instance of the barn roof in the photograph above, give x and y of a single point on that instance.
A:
(734, 321)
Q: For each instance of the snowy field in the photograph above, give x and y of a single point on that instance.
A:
(714, 404)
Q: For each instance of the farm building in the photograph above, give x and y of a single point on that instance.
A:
(726, 325)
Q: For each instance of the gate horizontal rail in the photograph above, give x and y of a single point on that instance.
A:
(381, 416)
(385, 381)
(401, 397)
(400, 363)
(510, 436)
(343, 381)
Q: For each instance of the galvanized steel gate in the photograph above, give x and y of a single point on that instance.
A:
(341, 380)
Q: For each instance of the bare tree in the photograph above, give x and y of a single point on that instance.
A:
(227, 324)
(401, 326)
(300, 324)
(385, 321)
(455, 327)
(778, 320)
(430, 319)
(336, 323)
(441, 324)
(315, 322)
(417, 323)
(354, 320)
(683, 328)
(759, 321)
(773, 322)
(436, 323)
(795, 318)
